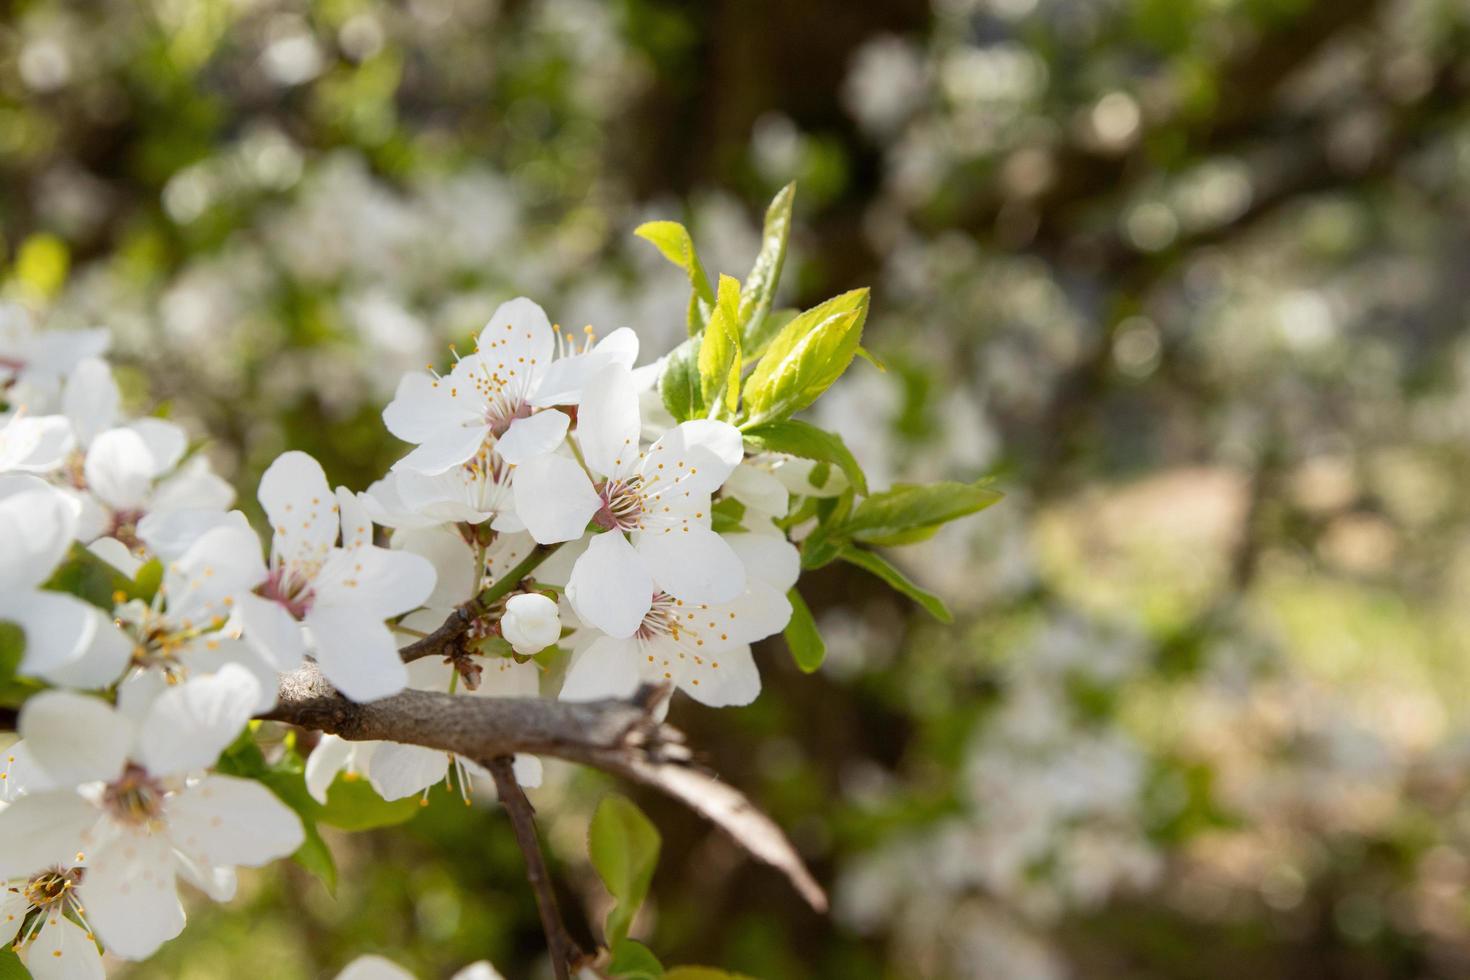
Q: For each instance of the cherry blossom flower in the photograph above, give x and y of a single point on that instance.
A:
(116, 790)
(43, 918)
(494, 393)
(703, 649)
(473, 492)
(659, 496)
(340, 594)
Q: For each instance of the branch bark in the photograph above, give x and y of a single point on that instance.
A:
(566, 955)
(621, 737)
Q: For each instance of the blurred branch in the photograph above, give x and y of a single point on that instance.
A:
(620, 737)
(566, 956)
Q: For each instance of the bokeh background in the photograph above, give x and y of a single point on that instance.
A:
(1188, 276)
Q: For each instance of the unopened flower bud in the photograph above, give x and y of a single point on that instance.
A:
(530, 623)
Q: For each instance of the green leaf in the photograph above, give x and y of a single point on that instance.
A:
(807, 648)
(809, 442)
(726, 515)
(679, 386)
(673, 241)
(353, 804)
(892, 517)
(148, 579)
(760, 286)
(703, 973)
(12, 649)
(805, 358)
(315, 856)
(11, 968)
(90, 578)
(821, 545)
(758, 336)
(873, 562)
(624, 847)
(631, 960)
(719, 354)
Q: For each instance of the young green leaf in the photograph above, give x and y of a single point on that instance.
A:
(719, 354)
(805, 358)
(760, 286)
(726, 515)
(679, 385)
(352, 804)
(703, 973)
(802, 439)
(873, 562)
(90, 578)
(12, 649)
(624, 846)
(673, 241)
(893, 517)
(631, 960)
(758, 336)
(807, 648)
(11, 968)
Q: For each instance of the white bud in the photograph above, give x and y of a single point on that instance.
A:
(530, 623)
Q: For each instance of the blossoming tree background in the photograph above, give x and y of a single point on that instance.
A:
(1182, 277)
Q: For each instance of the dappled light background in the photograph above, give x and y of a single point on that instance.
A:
(1187, 276)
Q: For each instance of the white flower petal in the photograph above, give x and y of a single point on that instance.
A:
(423, 407)
(449, 447)
(75, 738)
(224, 820)
(300, 507)
(330, 756)
(534, 435)
(607, 668)
(517, 345)
(769, 558)
(132, 900)
(101, 663)
(194, 486)
(37, 524)
(758, 490)
(398, 771)
(563, 381)
(223, 564)
(554, 498)
(356, 653)
(610, 588)
(608, 424)
(191, 723)
(35, 443)
(374, 968)
(271, 631)
(59, 628)
(726, 679)
(692, 563)
(90, 399)
(119, 469)
(170, 533)
(166, 442)
(357, 526)
(454, 563)
(42, 829)
(376, 582)
(694, 458)
(62, 950)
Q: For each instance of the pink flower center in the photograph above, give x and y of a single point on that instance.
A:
(135, 797)
(292, 590)
(623, 503)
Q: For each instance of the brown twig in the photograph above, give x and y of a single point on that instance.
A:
(621, 737)
(566, 955)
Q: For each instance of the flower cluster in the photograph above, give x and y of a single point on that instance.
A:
(574, 525)
(533, 452)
